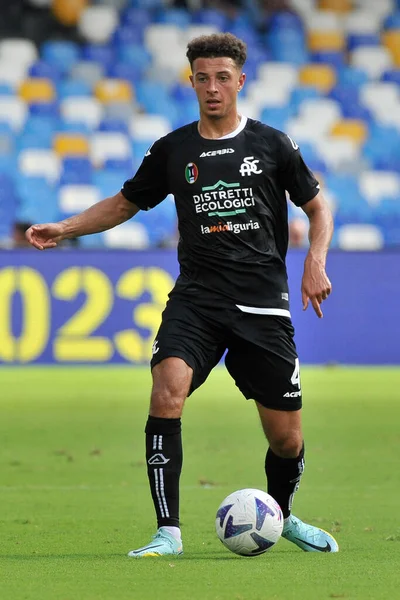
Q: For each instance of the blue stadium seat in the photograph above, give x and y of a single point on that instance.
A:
(99, 53)
(299, 94)
(44, 109)
(108, 182)
(335, 59)
(8, 211)
(61, 54)
(127, 35)
(124, 70)
(392, 21)
(76, 170)
(277, 116)
(353, 209)
(392, 75)
(136, 17)
(37, 200)
(134, 55)
(6, 89)
(354, 40)
(211, 16)
(9, 165)
(151, 95)
(177, 16)
(285, 20)
(73, 87)
(119, 164)
(113, 124)
(351, 76)
(34, 140)
(46, 70)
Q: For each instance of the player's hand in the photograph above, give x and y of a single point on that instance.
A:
(47, 235)
(315, 286)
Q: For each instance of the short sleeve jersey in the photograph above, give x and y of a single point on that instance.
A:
(230, 197)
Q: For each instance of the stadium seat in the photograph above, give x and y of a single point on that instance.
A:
(43, 70)
(62, 54)
(37, 90)
(326, 41)
(323, 77)
(98, 23)
(360, 237)
(340, 153)
(376, 185)
(40, 163)
(84, 109)
(76, 170)
(262, 95)
(148, 128)
(354, 129)
(339, 6)
(132, 236)
(14, 111)
(375, 60)
(380, 97)
(87, 71)
(68, 13)
(71, 145)
(282, 75)
(73, 87)
(18, 51)
(104, 145)
(322, 112)
(75, 198)
(37, 200)
(391, 40)
(113, 90)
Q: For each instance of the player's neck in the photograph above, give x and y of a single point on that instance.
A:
(213, 129)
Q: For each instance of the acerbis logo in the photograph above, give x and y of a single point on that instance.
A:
(158, 459)
(292, 394)
(217, 152)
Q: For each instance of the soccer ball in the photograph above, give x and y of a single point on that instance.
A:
(249, 522)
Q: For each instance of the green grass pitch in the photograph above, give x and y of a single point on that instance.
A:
(74, 497)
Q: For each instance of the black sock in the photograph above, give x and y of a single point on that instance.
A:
(164, 465)
(283, 476)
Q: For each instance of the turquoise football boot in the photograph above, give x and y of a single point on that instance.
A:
(308, 537)
(162, 544)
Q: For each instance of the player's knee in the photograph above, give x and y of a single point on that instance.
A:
(166, 403)
(287, 445)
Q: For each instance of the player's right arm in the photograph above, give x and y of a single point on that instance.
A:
(101, 216)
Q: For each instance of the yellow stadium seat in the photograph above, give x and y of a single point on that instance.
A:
(71, 145)
(356, 129)
(321, 76)
(113, 90)
(338, 6)
(68, 13)
(185, 74)
(391, 39)
(326, 40)
(37, 90)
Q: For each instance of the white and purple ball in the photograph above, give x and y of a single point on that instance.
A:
(249, 522)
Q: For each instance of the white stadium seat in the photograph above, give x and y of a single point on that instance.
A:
(133, 236)
(104, 145)
(14, 111)
(279, 74)
(339, 153)
(39, 163)
(18, 51)
(148, 128)
(75, 198)
(375, 60)
(12, 74)
(323, 20)
(361, 21)
(98, 23)
(359, 237)
(267, 96)
(380, 96)
(376, 185)
(82, 109)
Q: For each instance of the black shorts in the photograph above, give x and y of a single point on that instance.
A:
(261, 353)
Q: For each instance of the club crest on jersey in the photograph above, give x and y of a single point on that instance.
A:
(249, 166)
(191, 172)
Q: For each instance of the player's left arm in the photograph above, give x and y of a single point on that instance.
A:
(315, 286)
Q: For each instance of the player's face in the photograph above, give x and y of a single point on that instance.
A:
(216, 82)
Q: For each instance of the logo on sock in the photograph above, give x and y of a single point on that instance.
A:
(158, 459)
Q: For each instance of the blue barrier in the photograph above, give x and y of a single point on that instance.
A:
(98, 307)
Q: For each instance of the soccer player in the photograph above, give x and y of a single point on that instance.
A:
(228, 174)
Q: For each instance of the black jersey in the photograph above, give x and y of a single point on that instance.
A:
(231, 205)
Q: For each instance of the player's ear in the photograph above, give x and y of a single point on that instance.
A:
(242, 79)
(191, 80)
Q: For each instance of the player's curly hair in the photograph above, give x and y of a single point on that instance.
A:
(217, 45)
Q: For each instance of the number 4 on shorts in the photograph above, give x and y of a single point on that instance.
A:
(295, 378)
